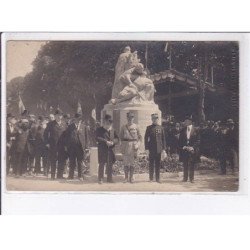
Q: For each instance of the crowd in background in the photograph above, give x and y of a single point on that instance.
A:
(218, 140)
(31, 151)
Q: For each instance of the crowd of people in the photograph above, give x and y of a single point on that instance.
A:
(218, 140)
(59, 144)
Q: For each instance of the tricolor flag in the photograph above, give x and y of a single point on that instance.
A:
(79, 108)
(93, 114)
(166, 47)
(21, 105)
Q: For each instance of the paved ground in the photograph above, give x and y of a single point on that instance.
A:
(208, 181)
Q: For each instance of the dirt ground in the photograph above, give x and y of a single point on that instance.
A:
(208, 181)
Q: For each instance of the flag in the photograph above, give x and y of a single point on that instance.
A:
(166, 47)
(93, 114)
(79, 108)
(21, 105)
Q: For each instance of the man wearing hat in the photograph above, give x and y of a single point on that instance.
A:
(106, 138)
(76, 141)
(189, 142)
(41, 151)
(10, 138)
(52, 134)
(130, 137)
(20, 149)
(156, 144)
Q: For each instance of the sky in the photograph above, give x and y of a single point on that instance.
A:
(20, 55)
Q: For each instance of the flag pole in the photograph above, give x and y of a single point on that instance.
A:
(146, 55)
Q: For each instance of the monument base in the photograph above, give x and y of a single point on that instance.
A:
(142, 113)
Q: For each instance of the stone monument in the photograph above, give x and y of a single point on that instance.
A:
(132, 91)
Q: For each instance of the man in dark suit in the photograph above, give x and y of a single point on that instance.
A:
(52, 134)
(106, 138)
(40, 148)
(77, 141)
(155, 143)
(20, 148)
(189, 142)
(10, 138)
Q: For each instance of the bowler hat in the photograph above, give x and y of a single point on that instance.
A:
(77, 115)
(25, 112)
(130, 114)
(155, 115)
(189, 117)
(66, 116)
(108, 118)
(58, 112)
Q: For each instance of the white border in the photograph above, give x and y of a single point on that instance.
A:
(125, 202)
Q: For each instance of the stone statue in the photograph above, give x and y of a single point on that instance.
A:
(135, 87)
(126, 60)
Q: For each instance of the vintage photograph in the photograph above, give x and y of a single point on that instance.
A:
(122, 115)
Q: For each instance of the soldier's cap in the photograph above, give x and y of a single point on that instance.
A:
(66, 116)
(130, 114)
(155, 116)
(9, 115)
(230, 121)
(77, 115)
(108, 118)
(58, 112)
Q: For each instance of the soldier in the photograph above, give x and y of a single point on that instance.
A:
(130, 137)
(52, 134)
(189, 142)
(11, 137)
(106, 140)
(155, 143)
(77, 142)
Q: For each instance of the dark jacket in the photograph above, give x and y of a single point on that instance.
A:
(194, 141)
(52, 134)
(155, 139)
(20, 144)
(76, 138)
(105, 153)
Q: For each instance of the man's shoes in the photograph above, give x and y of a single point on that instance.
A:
(100, 182)
(184, 180)
(111, 181)
(132, 181)
(159, 181)
(191, 181)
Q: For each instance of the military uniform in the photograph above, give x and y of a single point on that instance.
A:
(130, 137)
(155, 143)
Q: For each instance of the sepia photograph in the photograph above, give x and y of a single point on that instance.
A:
(117, 115)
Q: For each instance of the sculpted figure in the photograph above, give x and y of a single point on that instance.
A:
(136, 87)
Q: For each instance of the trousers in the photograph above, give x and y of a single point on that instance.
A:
(154, 166)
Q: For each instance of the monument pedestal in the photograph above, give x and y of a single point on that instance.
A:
(142, 113)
